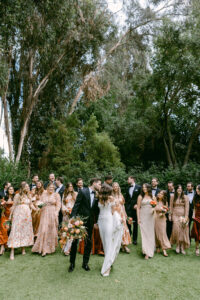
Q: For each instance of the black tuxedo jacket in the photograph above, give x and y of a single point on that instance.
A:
(2, 194)
(191, 205)
(83, 208)
(61, 192)
(157, 191)
(131, 201)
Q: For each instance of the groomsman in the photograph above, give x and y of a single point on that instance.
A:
(170, 192)
(60, 190)
(35, 179)
(154, 187)
(190, 192)
(86, 205)
(108, 180)
(79, 184)
(51, 180)
(131, 205)
(3, 193)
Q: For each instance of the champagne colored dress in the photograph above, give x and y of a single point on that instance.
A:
(160, 228)
(180, 233)
(47, 238)
(21, 234)
(36, 214)
(147, 227)
(126, 238)
(3, 228)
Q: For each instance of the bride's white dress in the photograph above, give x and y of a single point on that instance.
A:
(111, 232)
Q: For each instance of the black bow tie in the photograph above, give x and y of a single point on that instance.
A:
(154, 189)
(131, 186)
(93, 192)
(190, 192)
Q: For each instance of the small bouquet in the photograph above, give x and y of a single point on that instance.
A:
(41, 205)
(164, 210)
(153, 203)
(7, 224)
(72, 230)
(68, 210)
(184, 221)
(129, 220)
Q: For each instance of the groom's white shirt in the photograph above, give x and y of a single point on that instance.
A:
(91, 196)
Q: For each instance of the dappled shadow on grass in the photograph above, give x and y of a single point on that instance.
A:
(132, 277)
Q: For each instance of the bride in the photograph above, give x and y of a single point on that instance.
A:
(110, 227)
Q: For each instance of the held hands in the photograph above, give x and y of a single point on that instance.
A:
(139, 221)
(135, 206)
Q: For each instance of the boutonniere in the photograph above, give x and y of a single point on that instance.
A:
(136, 190)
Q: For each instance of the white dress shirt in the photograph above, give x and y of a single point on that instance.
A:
(190, 196)
(91, 196)
(58, 189)
(131, 189)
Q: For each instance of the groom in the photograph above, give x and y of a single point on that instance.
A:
(86, 206)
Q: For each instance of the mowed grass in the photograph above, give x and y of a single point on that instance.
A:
(32, 277)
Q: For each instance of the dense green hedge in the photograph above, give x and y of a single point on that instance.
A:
(15, 174)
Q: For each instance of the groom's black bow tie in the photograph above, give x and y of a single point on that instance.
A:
(93, 192)
(154, 189)
(190, 192)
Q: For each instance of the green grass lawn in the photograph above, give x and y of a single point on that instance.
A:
(33, 277)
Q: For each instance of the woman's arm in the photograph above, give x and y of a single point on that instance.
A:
(187, 205)
(171, 207)
(139, 200)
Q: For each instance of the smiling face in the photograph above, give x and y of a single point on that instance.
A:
(115, 187)
(179, 190)
(144, 188)
(51, 189)
(198, 190)
(11, 190)
(130, 180)
(154, 183)
(97, 185)
(26, 188)
(160, 195)
(51, 177)
(38, 185)
(70, 188)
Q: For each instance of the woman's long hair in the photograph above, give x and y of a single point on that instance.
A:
(164, 199)
(67, 192)
(149, 190)
(12, 196)
(104, 193)
(39, 191)
(119, 190)
(182, 197)
(196, 199)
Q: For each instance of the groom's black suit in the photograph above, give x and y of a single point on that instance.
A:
(130, 201)
(83, 208)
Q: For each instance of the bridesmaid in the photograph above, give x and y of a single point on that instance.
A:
(145, 215)
(69, 198)
(7, 203)
(38, 191)
(21, 234)
(196, 219)
(160, 223)
(119, 200)
(47, 237)
(179, 207)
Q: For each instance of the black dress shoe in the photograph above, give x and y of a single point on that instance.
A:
(71, 268)
(86, 267)
(134, 242)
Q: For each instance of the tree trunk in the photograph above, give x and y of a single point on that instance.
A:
(191, 141)
(6, 115)
(172, 154)
(167, 153)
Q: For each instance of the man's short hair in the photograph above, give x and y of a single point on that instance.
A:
(94, 180)
(59, 179)
(108, 177)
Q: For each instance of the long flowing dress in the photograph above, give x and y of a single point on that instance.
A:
(67, 205)
(3, 228)
(126, 238)
(111, 231)
(147, 227)
(36, 214)
(180, 233)
(162, 240)
(196, 223)
(47, 238)
(21, 234)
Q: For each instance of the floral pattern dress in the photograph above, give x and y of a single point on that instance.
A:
(21, 234)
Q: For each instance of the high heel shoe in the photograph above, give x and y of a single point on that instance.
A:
(165, 253)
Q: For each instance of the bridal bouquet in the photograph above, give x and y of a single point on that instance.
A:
(72, 230)
(153, 203)
(184, 221)
(68, 210)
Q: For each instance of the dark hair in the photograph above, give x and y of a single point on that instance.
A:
(66, 192)
(59, 179)
(79, 179)
(105, 192)
(108, 177)
(132, 177)
(155, 179)
(149, 190)
(196, 199)
(176, 194)
(170, 182)
(94, 180)
(7, 196)
(5, 183)
(190, 183)
(35, 175)
(164, 200)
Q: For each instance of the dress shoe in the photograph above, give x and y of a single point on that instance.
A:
(134, 242)
(71, 268)
(86, 267)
